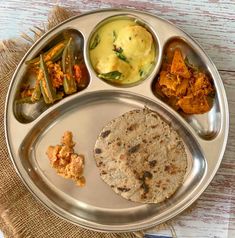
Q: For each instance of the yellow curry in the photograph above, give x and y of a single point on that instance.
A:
(122, 52)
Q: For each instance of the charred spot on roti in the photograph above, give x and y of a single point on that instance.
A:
(119, 143)
(152, 163)
(156, 137)
(167, 168)
(98, 151)
(134, 149)
(132, 127)
(105, 133)
(171, 169)
(145, 187)
(147, 175)
(136, 174)
(123, 189)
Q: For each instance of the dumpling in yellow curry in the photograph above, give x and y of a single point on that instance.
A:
(135, 41)
(122, 52)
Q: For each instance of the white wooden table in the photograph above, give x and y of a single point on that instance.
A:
(212, 24)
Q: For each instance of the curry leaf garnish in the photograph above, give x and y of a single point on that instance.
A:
(116, 75)
(119, 53)
(114, 36)
(141, 72)
(95, 42)
(121, 56)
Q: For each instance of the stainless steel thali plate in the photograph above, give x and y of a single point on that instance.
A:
(85, 113)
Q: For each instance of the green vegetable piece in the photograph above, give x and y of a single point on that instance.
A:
(95, 42)
(24, 100)
(53, 54)
(45, 97)
(68, 62)
(120, 55)
(59, 96)
(48, 92)
(58, 55)
(36, 94)
(114, 36)
(113, 75)
(141, 72)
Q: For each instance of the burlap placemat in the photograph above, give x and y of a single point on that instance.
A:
(21, 215)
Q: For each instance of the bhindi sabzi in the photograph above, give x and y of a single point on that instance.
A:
(184, 86)
(60, 71)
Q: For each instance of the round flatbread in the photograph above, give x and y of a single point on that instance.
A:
(141, 157)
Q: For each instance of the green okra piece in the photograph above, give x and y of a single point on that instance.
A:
(24, 100)
(59, 96)
(36, 94)
(45, 97)
(51, 55)
(48, 92)
(68, 62)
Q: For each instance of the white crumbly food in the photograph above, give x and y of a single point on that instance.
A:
(141, 157)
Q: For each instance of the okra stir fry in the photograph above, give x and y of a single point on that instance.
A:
(58, 72)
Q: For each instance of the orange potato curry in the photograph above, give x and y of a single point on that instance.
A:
(183, 86)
